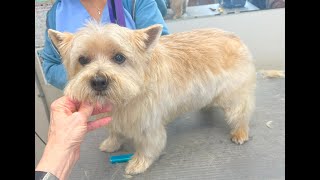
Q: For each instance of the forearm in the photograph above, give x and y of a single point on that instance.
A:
(58, 162)
(162, 7)
(55, 74)
(52, 66)
(148, 14)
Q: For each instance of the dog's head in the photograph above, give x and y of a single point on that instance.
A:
(105, 62)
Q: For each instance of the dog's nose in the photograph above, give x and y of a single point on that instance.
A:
(99, 83)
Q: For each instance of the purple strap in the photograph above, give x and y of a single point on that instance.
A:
(119, 12)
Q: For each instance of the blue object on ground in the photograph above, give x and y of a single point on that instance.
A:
(120, 158)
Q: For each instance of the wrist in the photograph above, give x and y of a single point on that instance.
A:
(57, 161)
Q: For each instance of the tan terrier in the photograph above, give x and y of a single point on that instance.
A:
(151, 79)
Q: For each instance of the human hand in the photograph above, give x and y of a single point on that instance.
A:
(69, 122)
(68, 127)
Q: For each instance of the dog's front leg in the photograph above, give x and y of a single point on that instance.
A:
(112, 143)
(148, 145)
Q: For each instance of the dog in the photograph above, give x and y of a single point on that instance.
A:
(179, 7)
(151, 79)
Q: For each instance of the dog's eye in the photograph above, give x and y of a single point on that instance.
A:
(83, 60)
(119, 58)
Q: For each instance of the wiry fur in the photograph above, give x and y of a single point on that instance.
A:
(162, 78)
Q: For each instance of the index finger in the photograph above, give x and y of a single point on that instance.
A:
(92, 125)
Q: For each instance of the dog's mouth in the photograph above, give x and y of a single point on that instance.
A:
(100, 97)
(100, 93)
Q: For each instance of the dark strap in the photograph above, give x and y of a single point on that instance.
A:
(41, 175)
(116, 12)
(133, 10)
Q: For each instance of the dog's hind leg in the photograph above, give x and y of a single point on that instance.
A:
(238, 107)
(149, 146)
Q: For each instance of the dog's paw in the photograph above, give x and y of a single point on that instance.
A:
(110, 145)
(138, 165)
(240, 136)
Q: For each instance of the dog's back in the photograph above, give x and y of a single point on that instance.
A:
(207, 45)
(206, 64)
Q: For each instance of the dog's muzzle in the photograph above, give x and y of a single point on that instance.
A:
(99, 83)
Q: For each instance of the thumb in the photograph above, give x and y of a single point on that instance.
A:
(86, 110)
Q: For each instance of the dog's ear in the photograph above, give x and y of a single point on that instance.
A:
(60, 40)
(151, 35)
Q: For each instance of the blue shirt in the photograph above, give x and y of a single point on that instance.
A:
(72, 15)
